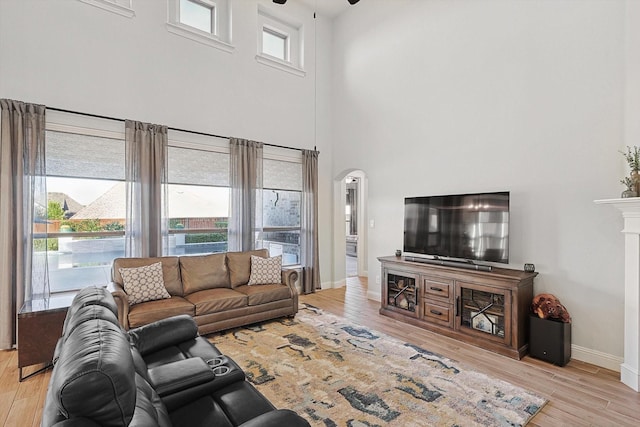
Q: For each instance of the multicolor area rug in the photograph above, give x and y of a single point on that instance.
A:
(336, 373)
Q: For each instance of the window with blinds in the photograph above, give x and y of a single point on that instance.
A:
(198, 199)
(85, 210)
(281, 199)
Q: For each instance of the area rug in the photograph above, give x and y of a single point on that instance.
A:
(336, 373)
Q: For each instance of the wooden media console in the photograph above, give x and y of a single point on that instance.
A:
(489, 309)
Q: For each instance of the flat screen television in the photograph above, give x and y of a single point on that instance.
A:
(463, 227)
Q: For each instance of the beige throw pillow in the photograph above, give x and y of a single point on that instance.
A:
(265, 271)
(144, 283)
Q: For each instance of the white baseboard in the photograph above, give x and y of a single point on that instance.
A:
(597, 358)
(333, 285)
(375, 296)
(630, 376)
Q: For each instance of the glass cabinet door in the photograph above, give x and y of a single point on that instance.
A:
(484, 311)
(401, 292)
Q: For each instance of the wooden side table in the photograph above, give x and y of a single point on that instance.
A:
(39, 328)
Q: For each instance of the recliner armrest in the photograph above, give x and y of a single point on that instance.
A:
(163, 333)
(184, 381)
(176, 376)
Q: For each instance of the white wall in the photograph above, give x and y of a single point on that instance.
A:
(438, 97)
(71, 55)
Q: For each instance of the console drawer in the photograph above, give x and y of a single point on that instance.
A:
(437, 287)
(437, 313)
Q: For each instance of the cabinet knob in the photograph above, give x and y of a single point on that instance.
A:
(436, 312)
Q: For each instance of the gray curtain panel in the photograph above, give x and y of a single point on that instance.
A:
(146, 230)
(245, 219)
(309, 223)
(23, 209)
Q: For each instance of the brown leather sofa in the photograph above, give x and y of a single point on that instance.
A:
(210, 288)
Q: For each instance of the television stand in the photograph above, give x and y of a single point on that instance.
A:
(489, 309)
(447, 263)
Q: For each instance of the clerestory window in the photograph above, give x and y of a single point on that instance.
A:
(275, 44)
(199, 14)
(280, 42)
(204, 21)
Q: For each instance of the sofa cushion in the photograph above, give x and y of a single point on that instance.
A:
(150, 311)
(265, 270)
(215, 300)
(242, 402)
(204, 272)
(202, 412)
(170, 271)
(239, 264)
(85, 313)
(94, 376)
(90, 296)
(144, 283)
(265, 293)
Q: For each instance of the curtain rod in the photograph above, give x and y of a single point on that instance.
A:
(97, 116)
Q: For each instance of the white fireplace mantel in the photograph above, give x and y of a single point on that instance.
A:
(630, 208)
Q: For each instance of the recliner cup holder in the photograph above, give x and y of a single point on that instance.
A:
(218, 365)
(221, 370)
(217, 361)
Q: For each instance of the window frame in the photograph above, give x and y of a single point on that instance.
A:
(219, 37)
(278, 24)
(119, 7)
(213, 15)
(285, 37)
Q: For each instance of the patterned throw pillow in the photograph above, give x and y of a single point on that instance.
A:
(144, 283)
(265, 271)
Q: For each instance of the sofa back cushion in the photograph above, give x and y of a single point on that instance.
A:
(90, 302)
(170, 271)
(94, 376)
(204, 272)
(239, 264)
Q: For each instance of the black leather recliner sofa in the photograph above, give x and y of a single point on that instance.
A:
(161, 374)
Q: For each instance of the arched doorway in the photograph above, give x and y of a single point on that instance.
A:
(350, 231)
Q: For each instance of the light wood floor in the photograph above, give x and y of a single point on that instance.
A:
(579, 394)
